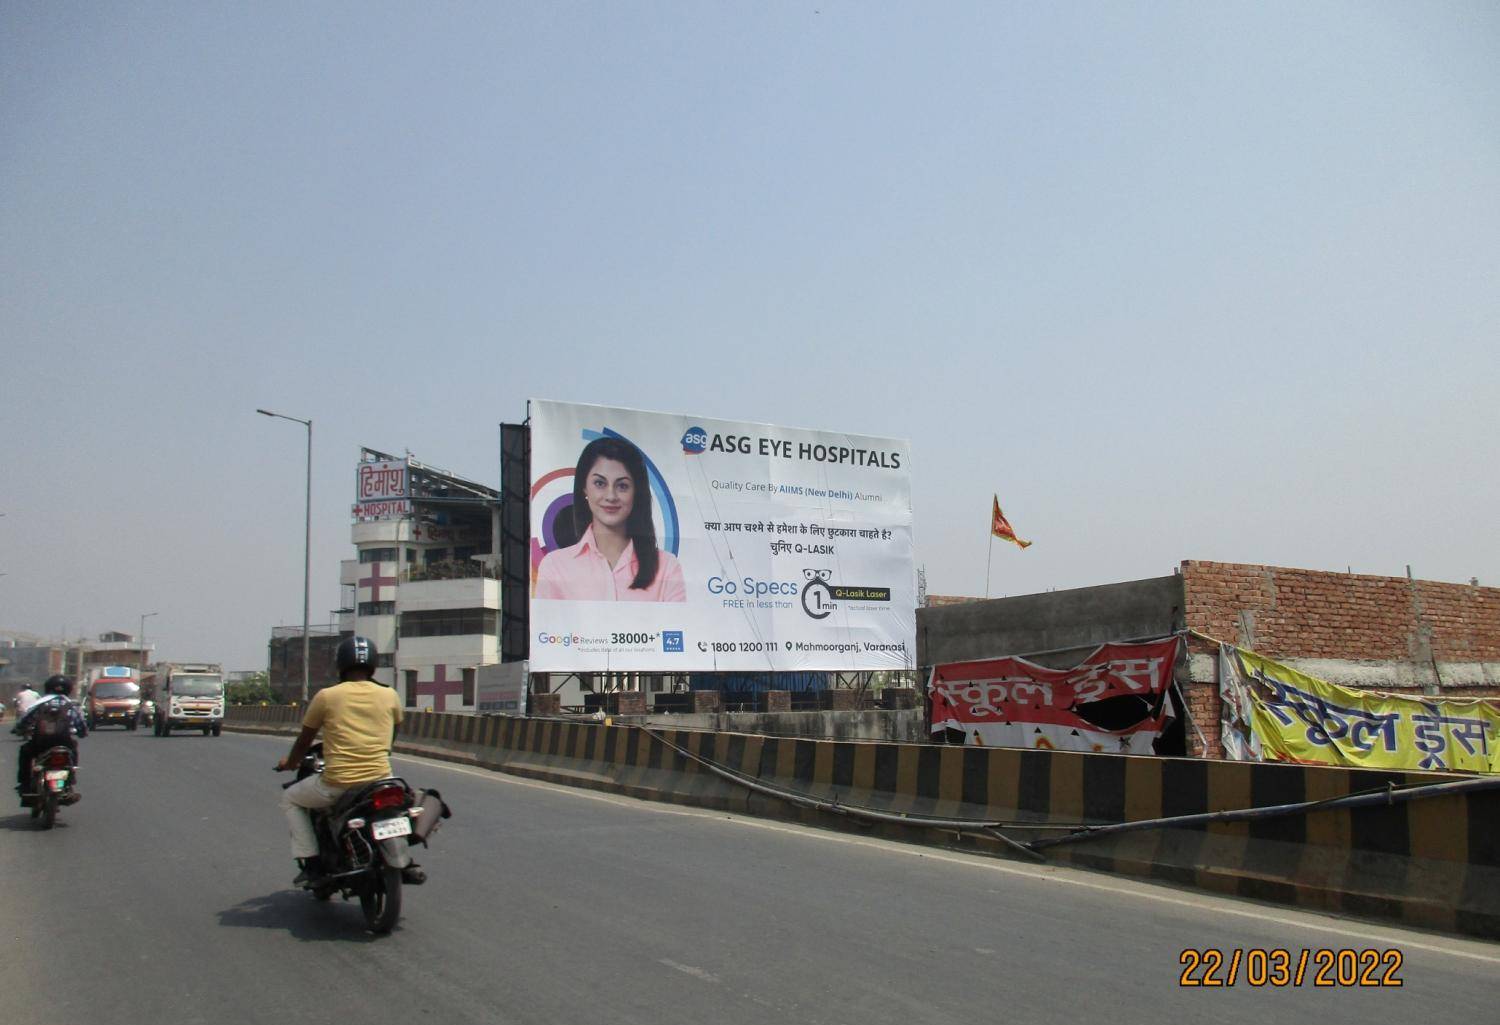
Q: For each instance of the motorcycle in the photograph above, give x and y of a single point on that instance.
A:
(53, 783)
(354, 837)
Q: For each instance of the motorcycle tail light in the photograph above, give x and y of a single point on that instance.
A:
(56, 760)
(387, 798)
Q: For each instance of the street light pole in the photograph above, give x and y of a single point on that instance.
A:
(306, 553)
(142, 638)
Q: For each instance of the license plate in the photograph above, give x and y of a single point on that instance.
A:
(56, 775)
(385, 829)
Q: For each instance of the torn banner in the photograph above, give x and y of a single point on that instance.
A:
(1293, 717)
(1115, 700)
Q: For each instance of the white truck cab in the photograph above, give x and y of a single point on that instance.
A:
(189, 695)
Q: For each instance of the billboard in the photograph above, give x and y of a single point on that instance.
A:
(1114, 701)
(501, 689)
(1294, 717)
(380, 490)
(380, 480)
(395, 509)
(668, 543)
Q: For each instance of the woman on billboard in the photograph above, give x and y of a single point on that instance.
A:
(616, 557)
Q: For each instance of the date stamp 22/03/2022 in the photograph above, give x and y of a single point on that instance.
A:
(1324, 967)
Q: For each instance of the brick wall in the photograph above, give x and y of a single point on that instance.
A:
(1375, 629)
(1301, 613)
(1203, 712)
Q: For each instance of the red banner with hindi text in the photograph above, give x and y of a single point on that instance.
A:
(1115, 700)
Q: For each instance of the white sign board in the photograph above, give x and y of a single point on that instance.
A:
(380, 481)
(393, 509)
(501, 688)
(667, 543)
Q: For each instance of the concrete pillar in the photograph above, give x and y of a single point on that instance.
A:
(708, 701)
(842, 700)
(629, 702)
(778, 701)
(900, 697)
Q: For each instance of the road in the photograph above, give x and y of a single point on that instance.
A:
(163, 898)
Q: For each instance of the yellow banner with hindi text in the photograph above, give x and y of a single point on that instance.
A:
(1300, 718)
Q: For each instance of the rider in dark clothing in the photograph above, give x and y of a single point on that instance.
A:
(50, 722)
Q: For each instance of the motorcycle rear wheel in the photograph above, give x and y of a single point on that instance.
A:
(49, 811)
(381, 901)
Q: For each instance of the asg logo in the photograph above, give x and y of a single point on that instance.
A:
(817, 595)
(671, 640)
(694, 441)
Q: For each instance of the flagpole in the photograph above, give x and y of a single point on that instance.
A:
(987, 559)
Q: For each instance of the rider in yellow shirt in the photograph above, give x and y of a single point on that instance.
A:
(358, 718)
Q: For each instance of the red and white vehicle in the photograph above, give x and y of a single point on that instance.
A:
(112, 695)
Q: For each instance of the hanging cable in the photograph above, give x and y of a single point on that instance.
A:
(802, 800)
(1388, 796)
(1080, 832)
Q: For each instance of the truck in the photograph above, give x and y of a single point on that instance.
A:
(189, 696)
(112, 694)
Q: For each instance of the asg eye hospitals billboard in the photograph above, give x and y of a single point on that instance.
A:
(667, 543)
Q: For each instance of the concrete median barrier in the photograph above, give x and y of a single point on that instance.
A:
(1432, 862)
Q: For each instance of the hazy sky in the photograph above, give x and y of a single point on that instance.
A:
(1214, 281)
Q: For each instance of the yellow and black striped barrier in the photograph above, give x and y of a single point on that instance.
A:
(1429, 862)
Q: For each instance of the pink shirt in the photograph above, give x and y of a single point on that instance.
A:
(580, 573)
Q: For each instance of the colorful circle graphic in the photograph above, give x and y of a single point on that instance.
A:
(553, 492)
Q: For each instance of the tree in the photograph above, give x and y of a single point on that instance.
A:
(254, 690)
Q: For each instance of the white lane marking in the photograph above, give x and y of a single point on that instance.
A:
(1207, 903)
(687, 969)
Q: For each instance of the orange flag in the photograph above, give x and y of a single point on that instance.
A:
(1000, 527)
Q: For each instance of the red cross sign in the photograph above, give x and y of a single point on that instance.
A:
(375, 581)
(440, 688)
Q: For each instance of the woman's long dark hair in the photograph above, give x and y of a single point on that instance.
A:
(638, 526)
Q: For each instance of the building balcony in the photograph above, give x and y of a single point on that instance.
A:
(464, 593)
(452, 569)
(460, 651)
(381, 530)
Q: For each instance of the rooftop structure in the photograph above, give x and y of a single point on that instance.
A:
(424, 582)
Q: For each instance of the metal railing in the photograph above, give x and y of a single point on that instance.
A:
(452, 569)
